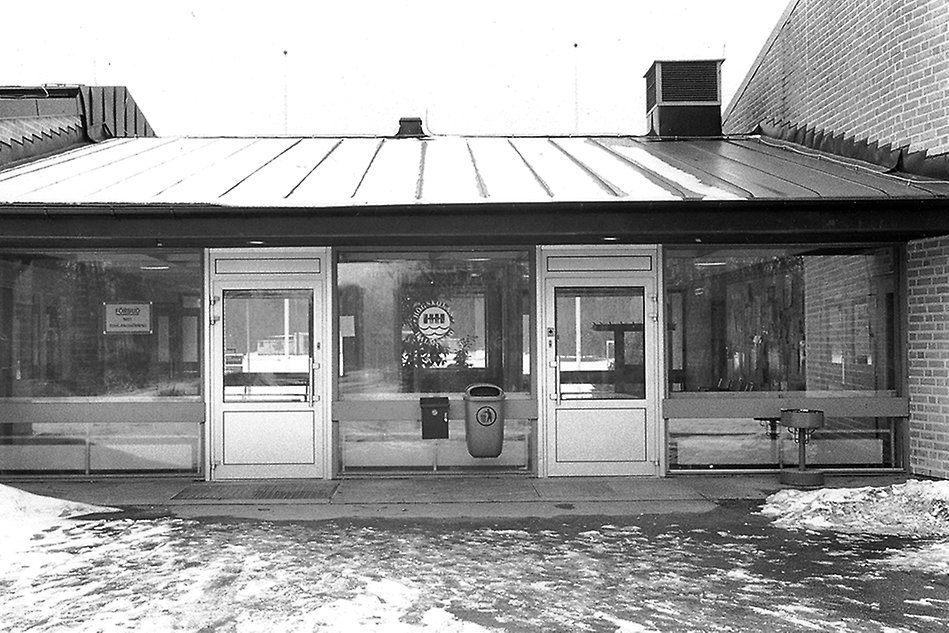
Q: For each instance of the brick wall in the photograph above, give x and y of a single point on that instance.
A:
(872, 69)
(848, 322)
(928, 295)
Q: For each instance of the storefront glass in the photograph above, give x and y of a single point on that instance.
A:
(433, 322)
(100, 362)
(760, 323)
(100, 324)
(815, 320)
(734, 443)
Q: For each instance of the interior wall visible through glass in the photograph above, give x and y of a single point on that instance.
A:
(433, 322)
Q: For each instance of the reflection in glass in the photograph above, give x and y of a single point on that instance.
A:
(267, 344)
(601, 342)
(737, 443)
(433, 322)
(782, 319)
(56, 340)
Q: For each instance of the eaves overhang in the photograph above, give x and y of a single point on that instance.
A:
(689, 221)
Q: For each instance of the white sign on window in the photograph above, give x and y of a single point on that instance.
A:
(128, 318)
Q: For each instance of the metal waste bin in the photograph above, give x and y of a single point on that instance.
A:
(484, 419)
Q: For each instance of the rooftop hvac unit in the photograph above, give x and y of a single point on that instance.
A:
(684, 98)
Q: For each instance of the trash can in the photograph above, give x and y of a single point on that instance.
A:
(484, 419)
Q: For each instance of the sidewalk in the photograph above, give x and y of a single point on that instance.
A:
(427, 497)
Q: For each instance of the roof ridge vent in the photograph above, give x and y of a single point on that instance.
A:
(684, 98)
(410, 127)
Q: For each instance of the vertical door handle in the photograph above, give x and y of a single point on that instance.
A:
(314, 367)
(555, 392)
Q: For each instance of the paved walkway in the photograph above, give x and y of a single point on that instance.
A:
(427, 497)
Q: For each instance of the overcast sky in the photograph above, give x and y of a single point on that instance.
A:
(350, 67)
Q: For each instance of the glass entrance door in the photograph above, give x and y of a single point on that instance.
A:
(267, 385)
(600, 359)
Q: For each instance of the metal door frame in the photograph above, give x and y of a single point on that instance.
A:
(265, 268)
(601, 266)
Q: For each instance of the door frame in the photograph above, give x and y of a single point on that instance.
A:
(601, 265)
(265, 268)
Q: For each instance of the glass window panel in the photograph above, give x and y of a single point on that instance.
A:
(433, 322)
(395, 446)
(601, 342)
(799, 319)
(267, 349)
(748, 444)
(57, 338)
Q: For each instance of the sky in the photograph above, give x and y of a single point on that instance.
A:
(216, 68)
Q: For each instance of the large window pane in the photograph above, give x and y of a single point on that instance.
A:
(115, 324)
(433, 322)
(788, 319)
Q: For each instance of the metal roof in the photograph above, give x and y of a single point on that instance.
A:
(334, 172)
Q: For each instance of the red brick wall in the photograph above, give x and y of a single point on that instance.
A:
(928, 300)
(874, 69)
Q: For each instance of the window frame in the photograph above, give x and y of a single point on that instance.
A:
(198, 312)
(361, 405)
(768, 404)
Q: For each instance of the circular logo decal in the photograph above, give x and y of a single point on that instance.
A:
(486, 416)
(432, 320)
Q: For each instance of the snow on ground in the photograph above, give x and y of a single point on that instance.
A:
(917, 509)
(19, 505)
(720, 572)
(25, 514)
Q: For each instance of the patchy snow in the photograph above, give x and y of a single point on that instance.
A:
(19, 506)
(918, 509)
(914, 508)
(24, 514)
(720, 572)
(931, 557)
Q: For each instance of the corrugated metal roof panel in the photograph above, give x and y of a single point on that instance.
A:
(450, 172)
(394, 175)
(703, 157)
(46, 163)
(872, 180)
(560, 172)
(623, 177)
(212, 183)
(95, 184)
(351, 172)
(512, 179)
(163, 168)
(701, 186)
(335, 180)
(275, 180)
(51, 173)
(190, 166)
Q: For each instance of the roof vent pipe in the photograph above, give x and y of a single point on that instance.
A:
(684, 98)
(410, 127)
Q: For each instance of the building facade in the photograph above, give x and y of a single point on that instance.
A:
(870, 80)
(235, 308)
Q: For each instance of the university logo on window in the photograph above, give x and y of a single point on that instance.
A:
(433, 320)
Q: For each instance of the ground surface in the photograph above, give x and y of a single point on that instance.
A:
(731, 569)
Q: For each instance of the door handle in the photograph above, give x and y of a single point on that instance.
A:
(314, 367)
(555, 392)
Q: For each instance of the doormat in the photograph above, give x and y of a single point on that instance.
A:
(312, 491)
